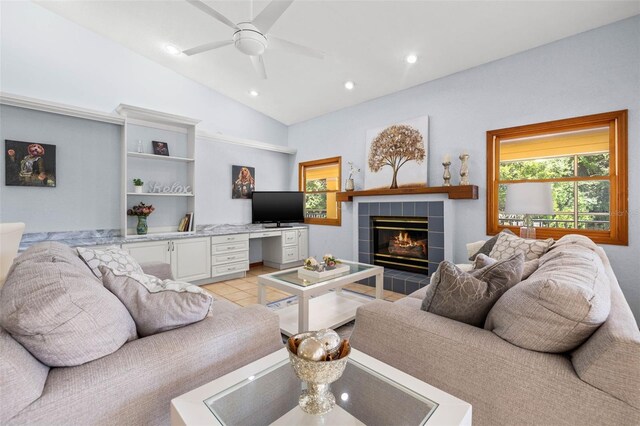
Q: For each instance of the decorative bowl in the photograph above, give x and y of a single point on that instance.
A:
(318, 375)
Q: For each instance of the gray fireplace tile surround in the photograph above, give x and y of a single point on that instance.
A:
(395, 280)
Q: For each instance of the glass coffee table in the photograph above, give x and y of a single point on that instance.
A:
(369, 392)
(318, 306)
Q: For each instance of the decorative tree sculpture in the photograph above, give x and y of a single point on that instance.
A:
(395, 146)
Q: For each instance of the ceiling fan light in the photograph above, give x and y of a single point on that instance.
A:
(411, 58)
(253, 93)
(349, 85)
(172, 50)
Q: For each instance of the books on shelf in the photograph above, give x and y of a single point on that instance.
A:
(186, 223)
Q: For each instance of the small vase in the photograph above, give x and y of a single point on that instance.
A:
(138, 189)
(142, 227)
(349, 185)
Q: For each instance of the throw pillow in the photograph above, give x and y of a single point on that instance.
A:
(488, 245)
(112, 257)
(61, 315)
(154, 304)
(468, 297)
(483, 260)
(507, 245)
(559, 306)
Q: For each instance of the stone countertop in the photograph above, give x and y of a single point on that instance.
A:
(101, 237)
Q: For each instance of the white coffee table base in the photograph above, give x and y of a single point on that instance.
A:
(330, 310)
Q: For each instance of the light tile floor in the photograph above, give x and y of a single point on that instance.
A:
(244, 291)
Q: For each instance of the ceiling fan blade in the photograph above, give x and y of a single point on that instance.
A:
(287, 46)
(206, 47)
(258, 65)
(212, 12)
(270, 14)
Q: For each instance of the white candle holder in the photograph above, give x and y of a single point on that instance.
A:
(446, 176)
(464, 169)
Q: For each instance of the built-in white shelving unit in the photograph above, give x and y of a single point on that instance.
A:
(141, 127)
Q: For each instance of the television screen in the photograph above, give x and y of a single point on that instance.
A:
(277, 206)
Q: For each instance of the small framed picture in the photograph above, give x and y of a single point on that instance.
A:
(160, 148)
(30, 164)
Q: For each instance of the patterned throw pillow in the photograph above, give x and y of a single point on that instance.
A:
(508, 245)
(468, 297)
(157, 305)
(488, 245)
(483, 260)
(111, 257)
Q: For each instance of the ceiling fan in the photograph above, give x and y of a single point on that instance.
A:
(251, 38)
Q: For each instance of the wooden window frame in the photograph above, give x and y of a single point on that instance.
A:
(618, 232)
(302, 187)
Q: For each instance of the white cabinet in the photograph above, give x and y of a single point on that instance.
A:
(190, 258)
(229, 254)
(287, 251)
(303, 243)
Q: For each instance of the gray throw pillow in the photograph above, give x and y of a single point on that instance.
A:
(113, 257)
(508, 245)
(61, 315)
(483, 260)
(488, 245)
(157, 305)
(468, 297)
(560, 305)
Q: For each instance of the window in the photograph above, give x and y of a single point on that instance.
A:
(320, 181)
(585, 161)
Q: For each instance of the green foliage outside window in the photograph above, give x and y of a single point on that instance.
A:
(592, 195)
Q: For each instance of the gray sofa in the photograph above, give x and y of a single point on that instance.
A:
(135, 384)
(596, 383)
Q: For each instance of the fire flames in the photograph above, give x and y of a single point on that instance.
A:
(403, 245)
(404, 240)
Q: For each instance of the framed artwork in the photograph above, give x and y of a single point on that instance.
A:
(30, 164)
(244, 182)
(160, 148)
(397, 155)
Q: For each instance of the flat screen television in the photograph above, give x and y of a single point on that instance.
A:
(277, 207)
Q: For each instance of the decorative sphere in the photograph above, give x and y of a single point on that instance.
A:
(311, 349)
(330, 340)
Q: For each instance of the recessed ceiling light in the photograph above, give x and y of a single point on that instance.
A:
(349, 85)
(253, 93)
(411, 59)
(172, 50)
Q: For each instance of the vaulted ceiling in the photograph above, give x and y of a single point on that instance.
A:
(365, 42)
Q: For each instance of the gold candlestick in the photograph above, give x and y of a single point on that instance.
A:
(464, 169)
(446, 176)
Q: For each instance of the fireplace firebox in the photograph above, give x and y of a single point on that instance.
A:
(401, 243)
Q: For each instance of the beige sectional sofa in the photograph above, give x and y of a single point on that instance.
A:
(596, 383)
(135, 384)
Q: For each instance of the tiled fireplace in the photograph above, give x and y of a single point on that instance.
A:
(407, 238)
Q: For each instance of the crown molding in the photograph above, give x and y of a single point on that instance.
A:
(57, 108)
(245, 142)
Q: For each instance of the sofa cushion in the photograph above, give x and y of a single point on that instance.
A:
(54, 252)
(113, 257)
(509, 244)
(468, 297)
(482, 260)
(157, 305)
(560, 305)
(488, 245)
(60, 314)
(22, 377)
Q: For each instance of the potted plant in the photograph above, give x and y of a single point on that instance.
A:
(137, 183)
(142, 211)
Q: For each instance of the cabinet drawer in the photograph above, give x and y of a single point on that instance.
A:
(265, 234)
(290, 237)
(229, 238)
(289, 254)
(230, 247)
(221, 259)
(229, 268)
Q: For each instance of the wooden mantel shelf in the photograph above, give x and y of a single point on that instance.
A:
(464, 192)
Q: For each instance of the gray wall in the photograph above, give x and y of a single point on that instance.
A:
(87, 173)
(593, 72)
